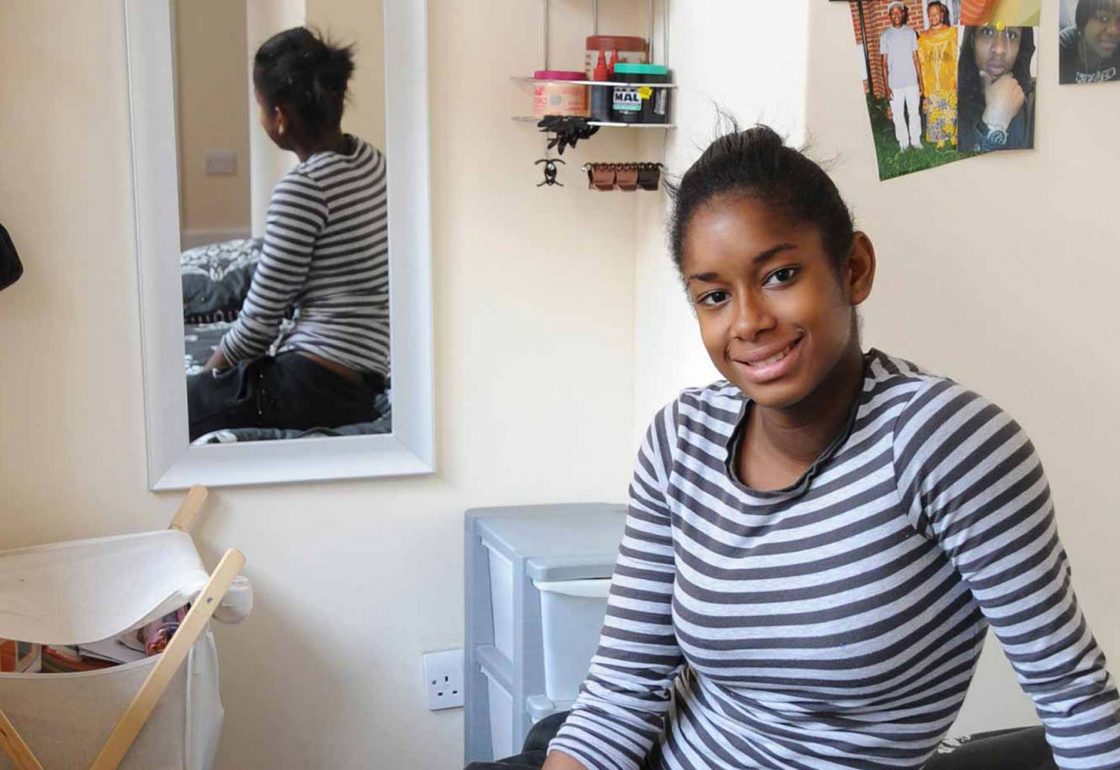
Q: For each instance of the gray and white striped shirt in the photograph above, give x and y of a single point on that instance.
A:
(835, 625)
(325, 253)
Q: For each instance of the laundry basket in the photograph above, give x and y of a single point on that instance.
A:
(162, 711)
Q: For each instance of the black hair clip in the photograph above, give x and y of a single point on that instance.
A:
(550, 171)
(568, 130)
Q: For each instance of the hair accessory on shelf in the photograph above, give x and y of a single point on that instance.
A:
(568, 129)
(626, 177)
(600, 175)
(623, 176)
(649, 175)
(550, 171)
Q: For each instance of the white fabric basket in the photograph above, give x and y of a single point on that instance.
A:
(84, 591)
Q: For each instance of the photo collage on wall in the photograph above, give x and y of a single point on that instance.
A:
(947, 79)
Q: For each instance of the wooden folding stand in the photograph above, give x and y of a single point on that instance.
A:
(136, 715)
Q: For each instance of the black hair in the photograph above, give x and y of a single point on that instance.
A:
(1086, 9)
(756, 163)
(945, 16)
(970, 89)
(306, 74)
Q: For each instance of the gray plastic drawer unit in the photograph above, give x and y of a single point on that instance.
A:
(536, 588)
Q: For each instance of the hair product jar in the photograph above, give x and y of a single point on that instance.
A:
(636, 102)
(559, 98)
(630, 49)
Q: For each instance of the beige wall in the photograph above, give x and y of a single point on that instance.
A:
(359, 23)
(533, 314)
(212, 112)
(1007, 283)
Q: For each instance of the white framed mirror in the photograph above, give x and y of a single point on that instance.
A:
(163, 233)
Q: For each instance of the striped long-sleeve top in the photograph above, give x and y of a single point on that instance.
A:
(835, 624)
(326, 254)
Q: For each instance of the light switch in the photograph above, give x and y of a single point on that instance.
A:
(221, 162)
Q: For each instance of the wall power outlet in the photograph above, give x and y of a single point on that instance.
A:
(221, 162)
(443, 679)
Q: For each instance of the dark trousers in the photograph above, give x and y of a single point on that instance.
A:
(288, 391)
(1018, 749)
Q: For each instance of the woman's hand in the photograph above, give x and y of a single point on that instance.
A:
(217, 361)
(560, 761)
(1003, 97)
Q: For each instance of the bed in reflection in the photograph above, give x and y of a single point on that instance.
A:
(216, 280)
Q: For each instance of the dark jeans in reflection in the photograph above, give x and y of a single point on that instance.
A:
(288, 391)
(1018, 749)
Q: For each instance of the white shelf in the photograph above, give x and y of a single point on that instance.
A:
(523, 79)
(601, 124)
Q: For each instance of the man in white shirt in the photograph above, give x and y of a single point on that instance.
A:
(898, 49)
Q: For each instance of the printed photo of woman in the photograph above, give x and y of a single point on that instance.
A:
(937, 55)
(1089, 49)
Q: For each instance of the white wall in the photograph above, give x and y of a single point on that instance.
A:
(534, 321)
(1001, 272)
(268, 163)
(212, 113)
(750, 60)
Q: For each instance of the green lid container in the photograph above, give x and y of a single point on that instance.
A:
(629, 68)
(636, 102)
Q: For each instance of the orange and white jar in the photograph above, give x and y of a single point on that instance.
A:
(553, 95)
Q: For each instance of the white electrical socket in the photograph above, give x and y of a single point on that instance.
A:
(443, 679)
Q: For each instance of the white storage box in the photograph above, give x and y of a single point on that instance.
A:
(536, 585)
(501, 716)
(501, 600)
(571, 618)
(85, 591)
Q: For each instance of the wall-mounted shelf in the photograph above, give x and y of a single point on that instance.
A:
(601, 124)
(621, 95)
(612, 83)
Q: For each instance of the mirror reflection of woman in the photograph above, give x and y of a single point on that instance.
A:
(937, 57)
(995, 89)
(324, 260)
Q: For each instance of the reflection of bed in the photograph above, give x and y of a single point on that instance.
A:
(215, 280)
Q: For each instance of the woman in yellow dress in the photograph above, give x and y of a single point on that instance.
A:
(937, 56)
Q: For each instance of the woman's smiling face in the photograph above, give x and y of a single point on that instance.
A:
(1102, 31)
(936, 15)
(775, 314)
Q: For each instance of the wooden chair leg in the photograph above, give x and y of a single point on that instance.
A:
(137, 713)
(13, 744)
(189, 508)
